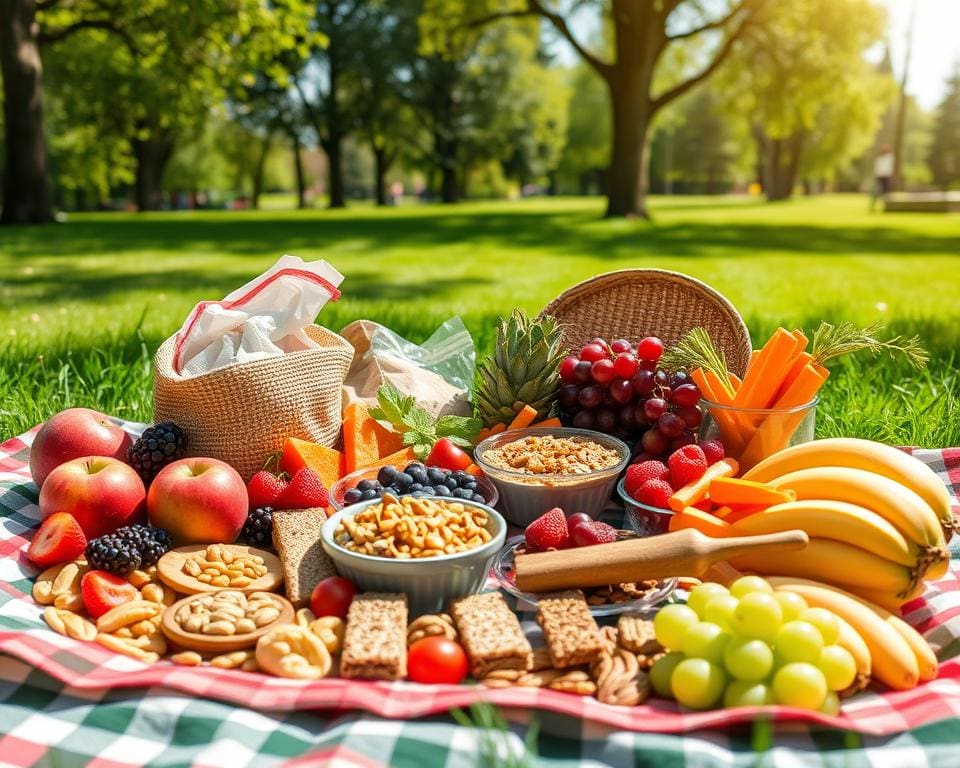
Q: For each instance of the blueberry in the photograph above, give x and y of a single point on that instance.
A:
(367, 485)
(436, 475)
(441, 490)
(470, 485)
(459, 475)
(387, 475)
(419, 475)
(402, 481)
(414, 487)
(352, 496)
(478, 498)
(460, 493)
(370, 494)
(451, 484)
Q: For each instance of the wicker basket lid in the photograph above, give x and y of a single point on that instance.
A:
(633, 303)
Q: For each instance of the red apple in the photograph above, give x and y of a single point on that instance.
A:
(200, 501)
(72, 434)
(103, 494)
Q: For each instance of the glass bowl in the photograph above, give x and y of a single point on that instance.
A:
(749, 435)
(503, 572)
(524, 497)
(484, 487)
(644, 520)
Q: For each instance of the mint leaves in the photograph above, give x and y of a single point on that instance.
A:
(420, 430)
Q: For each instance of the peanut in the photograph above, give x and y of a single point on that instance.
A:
(69, 602)
(187, 659)
(232, 660)
(127, 649)
(292, 651)
(152, 592)
(221, 567)
(126, 614)
(139, 579)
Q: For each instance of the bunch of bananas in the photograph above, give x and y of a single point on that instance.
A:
(883, 646)
(877, 518)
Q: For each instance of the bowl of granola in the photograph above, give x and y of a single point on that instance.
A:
(432, 548)
(537, 469)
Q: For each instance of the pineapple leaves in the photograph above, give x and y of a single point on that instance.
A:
(420, 430)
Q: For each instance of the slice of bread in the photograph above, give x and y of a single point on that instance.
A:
(296, 537)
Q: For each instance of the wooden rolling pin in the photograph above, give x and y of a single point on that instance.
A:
(681, 553)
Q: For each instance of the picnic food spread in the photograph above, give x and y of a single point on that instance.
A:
(795, 555)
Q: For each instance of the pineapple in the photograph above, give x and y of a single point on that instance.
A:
(522, 369)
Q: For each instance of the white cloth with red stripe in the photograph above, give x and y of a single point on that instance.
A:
(262, 318)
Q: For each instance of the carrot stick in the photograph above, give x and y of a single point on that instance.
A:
(547, 423)
(496, 429)
(804, 358)
(692, 492)
(714, 389)
(737, 514)
(733, 491)
(483, 434)
(759, 389)
(523, 419)
(702, 521)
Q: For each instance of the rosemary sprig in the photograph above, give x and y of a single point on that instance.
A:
(696, 350)
(830, 341)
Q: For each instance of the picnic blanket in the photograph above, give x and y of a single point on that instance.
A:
(33, 658)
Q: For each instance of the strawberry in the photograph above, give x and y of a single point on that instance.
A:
(588, 533)
(549, 531)
(264, 488)
(686, 465)
(58, 540)
(654, 493)
(305, 491)
(102, 591)
(638, 474)
(713, 450)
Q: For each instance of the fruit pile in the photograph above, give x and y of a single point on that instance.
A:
(619, 389)
(749, 646)
(654, 483)
(555, 530)
(417, 479)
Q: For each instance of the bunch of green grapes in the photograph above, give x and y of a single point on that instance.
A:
(748, 646)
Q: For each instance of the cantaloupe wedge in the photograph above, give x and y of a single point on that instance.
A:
(399, 459)
(366, 440)
(326, 462)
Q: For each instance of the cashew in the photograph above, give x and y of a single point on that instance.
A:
(295, 652)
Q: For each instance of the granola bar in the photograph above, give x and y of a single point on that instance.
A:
(636, 634)
(491, 634)
(375, 642)
(570, 631)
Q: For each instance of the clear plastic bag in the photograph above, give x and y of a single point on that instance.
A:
(438, 373)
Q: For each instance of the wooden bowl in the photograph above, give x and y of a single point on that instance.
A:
(170, 570)
(220, 643)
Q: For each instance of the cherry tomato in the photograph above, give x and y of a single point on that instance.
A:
(436, 660)
(446, 455)
(332, 597)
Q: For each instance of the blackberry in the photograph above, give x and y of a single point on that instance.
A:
(113, 554)
(129, 548)
(158, 446)
(259, 527)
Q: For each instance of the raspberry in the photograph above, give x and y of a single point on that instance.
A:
(686, 465)
(638, 474)
(654, 493)
(549, 531)
(713, 450)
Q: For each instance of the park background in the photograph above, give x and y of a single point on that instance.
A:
(456, 157)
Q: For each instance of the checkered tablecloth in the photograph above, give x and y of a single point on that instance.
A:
(65, 702)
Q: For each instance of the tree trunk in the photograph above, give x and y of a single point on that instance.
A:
(333, 147)
(782, 165)
(298, 170)
(449, 185)
(27, 197)
(258, 170)
(381, 166)
(152, 156)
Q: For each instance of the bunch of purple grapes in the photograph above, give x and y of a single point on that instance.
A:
(620, 389)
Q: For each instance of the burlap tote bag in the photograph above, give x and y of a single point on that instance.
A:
(241, 413)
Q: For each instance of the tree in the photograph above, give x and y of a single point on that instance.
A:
(643, 30)
(805, 117)
(944, 157)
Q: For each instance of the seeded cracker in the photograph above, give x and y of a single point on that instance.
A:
(491, 634)
(296, 536)
(375, 642)
(570, 631)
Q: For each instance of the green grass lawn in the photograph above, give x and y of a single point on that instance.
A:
(83, 305)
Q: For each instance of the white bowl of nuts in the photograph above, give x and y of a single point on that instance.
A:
(433, 549)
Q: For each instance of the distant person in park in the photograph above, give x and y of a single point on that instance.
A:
(882, 174)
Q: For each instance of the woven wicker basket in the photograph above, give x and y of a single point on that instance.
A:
(633, 303)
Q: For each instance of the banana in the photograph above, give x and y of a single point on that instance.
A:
(889, 600)
(900, 506)
(894, 662)
(838, 520)
(926, 658)
(867, 455)
(850, 639)
(833, 562)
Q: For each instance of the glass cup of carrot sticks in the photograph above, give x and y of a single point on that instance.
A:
(749, 435)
